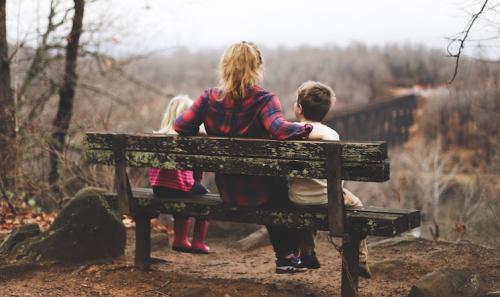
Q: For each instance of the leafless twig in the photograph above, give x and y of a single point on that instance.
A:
(158, 290)
(462, 40)
(40, 61)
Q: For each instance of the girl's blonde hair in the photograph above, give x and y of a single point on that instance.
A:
(175, 108)
(240, 70)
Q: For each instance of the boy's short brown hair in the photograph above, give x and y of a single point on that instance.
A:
(316, 99)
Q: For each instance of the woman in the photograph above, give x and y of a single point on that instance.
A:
(240, 108)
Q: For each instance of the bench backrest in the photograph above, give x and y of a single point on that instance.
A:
(360, 161)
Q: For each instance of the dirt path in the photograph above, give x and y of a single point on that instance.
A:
(231, 272)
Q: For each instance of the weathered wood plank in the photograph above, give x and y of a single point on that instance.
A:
(122, 184)
(239, 147)
(375, 172)
(360, 221)
(350, 265)
(336, 214)
(214, 199)
(142, 241)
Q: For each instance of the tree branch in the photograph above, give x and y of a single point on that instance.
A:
(38, 63)
(462, 41)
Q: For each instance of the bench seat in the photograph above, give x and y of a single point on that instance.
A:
(368, 220)
(331, 160)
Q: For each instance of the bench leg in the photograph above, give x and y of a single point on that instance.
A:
(142, 241)
(350, 264)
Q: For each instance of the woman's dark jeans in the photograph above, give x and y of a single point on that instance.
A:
(285, 240)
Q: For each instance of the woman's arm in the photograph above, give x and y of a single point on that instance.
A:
(188, 123)
(277, 126)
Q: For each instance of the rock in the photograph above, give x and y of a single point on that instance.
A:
(387, 266)
(255, 240)
(492, 294)
(159, 241)
(396, 269)
(195, 292)
(18, 235)
(448, 282)
(88, 228)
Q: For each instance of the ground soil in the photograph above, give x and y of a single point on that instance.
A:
(228, 271)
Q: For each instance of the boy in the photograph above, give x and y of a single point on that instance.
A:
(314, 100)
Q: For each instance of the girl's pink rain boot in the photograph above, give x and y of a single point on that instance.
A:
(199, 236)
(181, 230)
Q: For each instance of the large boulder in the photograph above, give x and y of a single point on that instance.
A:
(88, 228)
(448, 282)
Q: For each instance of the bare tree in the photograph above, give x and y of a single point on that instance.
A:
(434, 172)
(38, 68)
(7, 111)
(474, 199)
(66, 92)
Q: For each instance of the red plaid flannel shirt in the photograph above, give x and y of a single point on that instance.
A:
(257, 116)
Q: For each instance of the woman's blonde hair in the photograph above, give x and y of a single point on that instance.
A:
(175, 108)
(240, 70)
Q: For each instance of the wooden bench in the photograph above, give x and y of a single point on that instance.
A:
(334, 161)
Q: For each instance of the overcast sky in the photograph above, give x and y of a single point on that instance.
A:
(157, 25)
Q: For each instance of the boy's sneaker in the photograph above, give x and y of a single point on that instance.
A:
(290, 264)
(310, 261)
(364, 270)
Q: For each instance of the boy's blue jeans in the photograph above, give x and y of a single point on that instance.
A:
(284, 239)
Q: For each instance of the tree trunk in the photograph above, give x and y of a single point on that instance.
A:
(7, 111)
(66, 95)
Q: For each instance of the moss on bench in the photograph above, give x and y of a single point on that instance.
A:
(370, 220)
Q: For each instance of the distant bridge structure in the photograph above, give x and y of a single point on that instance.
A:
(389, 120)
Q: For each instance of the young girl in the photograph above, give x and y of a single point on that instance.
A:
(180, 183)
